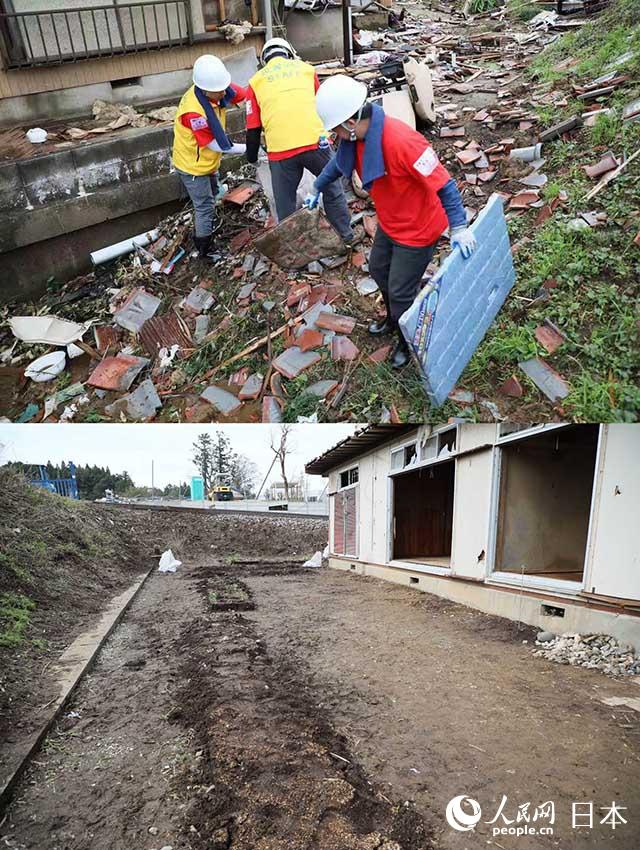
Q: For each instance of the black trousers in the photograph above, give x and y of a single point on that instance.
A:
(286, 175)
(398, 270)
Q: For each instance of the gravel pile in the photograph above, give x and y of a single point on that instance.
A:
(597, 652)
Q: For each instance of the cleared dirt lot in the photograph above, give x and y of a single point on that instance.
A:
(330, 713)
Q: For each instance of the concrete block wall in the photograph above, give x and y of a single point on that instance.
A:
(58, 194)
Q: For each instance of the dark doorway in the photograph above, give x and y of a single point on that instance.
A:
(423, 514)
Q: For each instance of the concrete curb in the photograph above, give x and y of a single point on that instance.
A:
(70, 668)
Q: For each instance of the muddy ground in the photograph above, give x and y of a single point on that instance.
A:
(330, 712)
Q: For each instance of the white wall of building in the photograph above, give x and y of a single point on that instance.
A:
(613, 560)
(613, 555)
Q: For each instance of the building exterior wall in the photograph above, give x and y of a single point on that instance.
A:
(615, 535)
(613, 548)
(57, 78)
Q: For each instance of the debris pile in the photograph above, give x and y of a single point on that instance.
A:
(595, 652)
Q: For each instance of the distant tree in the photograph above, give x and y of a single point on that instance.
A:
(203, 460)
(224, 457)
(281, 448)
(244, 475)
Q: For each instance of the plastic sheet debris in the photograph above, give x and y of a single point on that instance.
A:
(315, 561)
(168, 562)
(47, 367)
(447, 321)
(48, 330)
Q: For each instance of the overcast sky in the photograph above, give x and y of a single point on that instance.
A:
(133, 447)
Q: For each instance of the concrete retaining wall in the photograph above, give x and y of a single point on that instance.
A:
(61, 194)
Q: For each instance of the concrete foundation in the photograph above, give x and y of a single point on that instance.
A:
(526, 606)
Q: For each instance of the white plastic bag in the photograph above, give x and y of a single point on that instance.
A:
(315, 561)
(325, 554)
(168, 562)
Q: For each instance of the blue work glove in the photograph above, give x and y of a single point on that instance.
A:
(464, 239)
(312, 201)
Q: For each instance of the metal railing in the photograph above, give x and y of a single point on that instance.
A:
(56, 36)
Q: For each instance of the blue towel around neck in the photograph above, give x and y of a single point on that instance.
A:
(212, 119)
(372, 160)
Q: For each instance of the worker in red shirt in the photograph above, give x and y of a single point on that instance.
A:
(281, 102)
(200, 140)
(414, 196)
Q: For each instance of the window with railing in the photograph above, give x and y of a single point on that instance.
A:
(54, 36)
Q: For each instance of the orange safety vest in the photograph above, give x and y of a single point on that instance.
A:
(285, 91)
(187, 156)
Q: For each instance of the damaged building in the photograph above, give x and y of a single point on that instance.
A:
(535, 524)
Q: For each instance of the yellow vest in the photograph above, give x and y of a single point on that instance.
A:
(187, 156)
(285, 92)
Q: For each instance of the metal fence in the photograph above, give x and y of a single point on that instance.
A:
(56, 36)
(62, 486)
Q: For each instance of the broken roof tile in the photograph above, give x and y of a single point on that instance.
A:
(139, 306)
(222, 400)
(293, 361)
(370, 223)
(141, 404)
(271, 410)
(343, 349)
(199, 300)
(241, 194)
(252, 387)
(106, 337)
(309, 339)
(335, 322)
(548, 381)
(240, 240)
(549, 336)
(607, 163)
(117, 373)
(380, 354)
(321, 389)
(511, 387)
(523, 200)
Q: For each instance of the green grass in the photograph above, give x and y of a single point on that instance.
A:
(477, 7)
(15, 615)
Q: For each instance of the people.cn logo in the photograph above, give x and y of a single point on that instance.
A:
(462, 820)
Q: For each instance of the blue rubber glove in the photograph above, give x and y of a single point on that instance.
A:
(465, 240)
(312, 201)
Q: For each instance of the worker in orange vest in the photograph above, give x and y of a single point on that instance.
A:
(281, 102)
(200, 140)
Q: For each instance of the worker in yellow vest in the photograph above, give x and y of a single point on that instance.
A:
(281, 102)
(200, 140)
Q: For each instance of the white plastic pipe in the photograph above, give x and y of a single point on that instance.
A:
(103, 255)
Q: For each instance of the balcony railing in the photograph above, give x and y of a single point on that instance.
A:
(31, 39)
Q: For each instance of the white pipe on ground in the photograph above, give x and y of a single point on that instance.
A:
(111, 252)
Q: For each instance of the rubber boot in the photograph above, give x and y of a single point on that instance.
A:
(203, 245)
(400, 355)
(383, 326)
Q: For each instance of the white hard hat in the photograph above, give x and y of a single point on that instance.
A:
(338, 99)
(210, 73)
(276, 47)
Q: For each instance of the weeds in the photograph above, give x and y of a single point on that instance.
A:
(15, 615)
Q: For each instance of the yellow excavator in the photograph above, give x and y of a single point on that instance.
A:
(221, 491)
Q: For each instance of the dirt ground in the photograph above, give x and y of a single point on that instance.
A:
(321, 711)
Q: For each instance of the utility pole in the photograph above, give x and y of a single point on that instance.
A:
(346, 33)
(152, 479)
(268, 20)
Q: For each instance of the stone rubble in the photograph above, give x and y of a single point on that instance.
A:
(595, 652)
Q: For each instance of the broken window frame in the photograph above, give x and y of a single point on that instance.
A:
(554, 586)
(527, 431)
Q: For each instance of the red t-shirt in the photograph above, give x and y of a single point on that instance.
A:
(194, 122)
(408, 207)
(254, 121)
